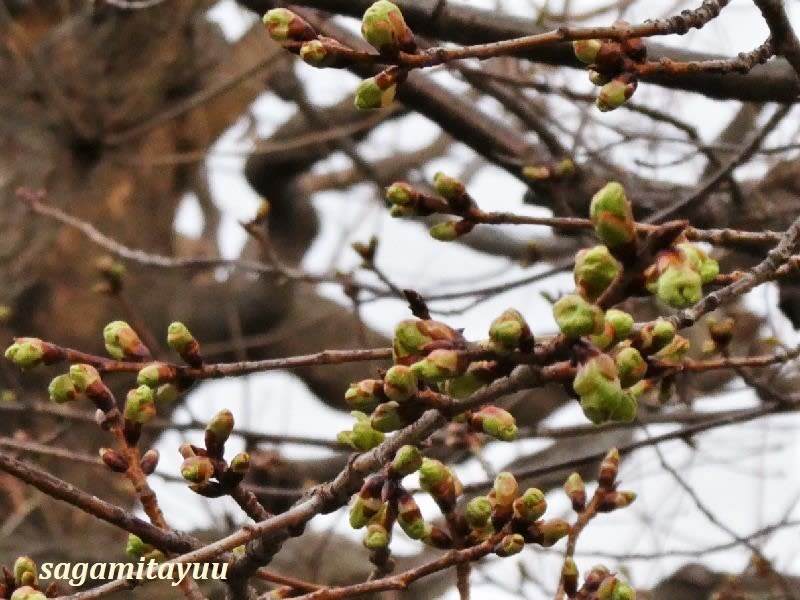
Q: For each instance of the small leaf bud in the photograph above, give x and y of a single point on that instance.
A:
(166, 393)
(478, 511)
(367, 502)
(62, 389)
(452, 190)
(181, 341)
(547, 533)
(569, 577)
(240, 463)
(439, 481)
(409, 516)
(365, 394)
(631, 367)
(505, 488)
(139, 405)
(369, 94)
(386, 417)
(615, 93)
(614, 500)
(608, 469)
(510, 331)
(219, 429)
(447, 231)
(113, 460)
(440, 364)
(149, 461)
(26, 592)
(622, 323)
(29, 352)
(437, 537)
(362, 436)
(155, 374)
(197, 469)
(575, 489)
(123, 343)
(137, 548)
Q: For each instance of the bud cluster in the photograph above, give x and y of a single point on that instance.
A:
(600, 390)
(610, 65)
(679, 273)
(21, 582)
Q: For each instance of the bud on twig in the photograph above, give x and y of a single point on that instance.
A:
(139, 405)
(218, 431)
(123, 343)
(399, 383)
(576, 317)
(569, 577)
(149, 461)
(376, 537)
(384, 27)
(511, 544)
(25, 571)
(362, 436)
(530, 506)
(407, 460)
(113, 460)
(283, 25)
(62, 389)
(197, 469)
(595, 269)
(181, 341)
(496, 422)
(575, 489)
(409, 516)
(439, 481)
(29, 352)
(510, 331)
(608, 469)
(367, 502)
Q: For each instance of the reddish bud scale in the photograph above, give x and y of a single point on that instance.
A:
(595, 577)
(438, 538)
(436, 479)
(609, 59)
(101, 396)
(149, 461)
(530, 506)
(409, 517)
(510, 544)
(575, 489)
(113, 460)
(284, 25)
(615, 500)
(547, 533)
(569, 577)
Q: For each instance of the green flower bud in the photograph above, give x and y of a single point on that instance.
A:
(407, 460)
(113, 460)
(240, 463)
(365, 394)
(657, 334)
(197, 469)
(446, 231)
(182, 342)
(576, 317)
(136, 548)
(283, 25)
(376, 537)
(61, 389)
(155, 374)
(510, 331)
(598, 78)
(586, 50)
(595, 577)
(621, 322)
(451, 189)
(569, 577)
(83, 376)
(409, 516)
(511, 544)
(400, 383)
(624, 411)
(315, 54)
(595, 372)
(530, 506)
(26, 352)
(139, 405)
(149, 461)
(25, 571)
(369, 94)
(575, 489)
(384, 27)
(679, 286)
(367, 502)
(218, 431)
(631, 367)
(547, 533)
(440, 364)
(439, 481)
(166, 393)
(478, 511)
(707, 267)
(604, 339)
(496, 422)
(412, 337)
(123, 343)
(362, 437)
(598, 386)
(478, 374)
(386, 417)
(615, 93)
(623, 591)
(595, 269)
(505, 489)
(608, 469)
(26, 592)
(614, 500)
(402, 194)
(612, 215)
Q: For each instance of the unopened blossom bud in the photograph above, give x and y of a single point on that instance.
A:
(409, 516)
(149, 461)
(365, 394)
(509, 332)
(136, 547)
(605, 338)
(547, 533)
(315, 53)
(414, 337)
(362, 436)
(612, 215)
(384, 27)
(376, 537)
(614, 500)
(181, 341)
(283, 25)
(29, 352)
(386, 417)
(477, 375)
(631, 367)
(166, 393)
(595, 577)
(240, 463)
(437, 537)
(595, 269)
(496, 422)
(113, 460)
(367, 502)
(615, 93)
(447, 231)
(679, 286)
(452, 190)
(511, 544)
(576, 317)
(505, 488)
(621, 321)
(635, 49)
(478, 511)
(86, 379)
(399, 383)
(612, 588)
(402, 194)
(123, 343)
(575, 489)
(440, 364)
(598, 78)
(569, 577)
(26, 592)
(218, 431)
(598, 386)
(373, 93)
(25, 571)
(439, 481)
(140, 406)
(609, 59)
(197, 469)
(586, 50)
(62, 389)
(155, 374)
(674, 352)
(407, 460)
(707, 267)
(608, 469)
(530, 506)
